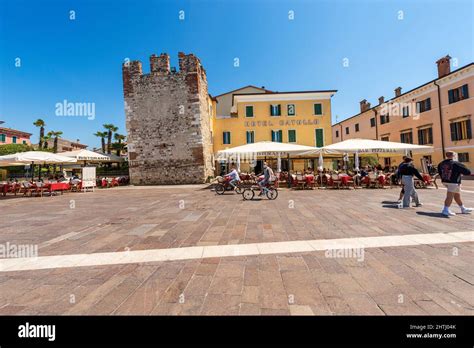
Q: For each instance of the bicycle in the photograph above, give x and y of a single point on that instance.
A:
(269, 190)
(224, 185)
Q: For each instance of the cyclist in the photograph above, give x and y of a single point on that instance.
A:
(234, 177)
(267, 177)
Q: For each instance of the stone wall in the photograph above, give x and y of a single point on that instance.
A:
(168, 122)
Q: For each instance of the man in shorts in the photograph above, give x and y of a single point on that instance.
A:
(450, 172)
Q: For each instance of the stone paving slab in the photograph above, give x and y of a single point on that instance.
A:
(417, 279)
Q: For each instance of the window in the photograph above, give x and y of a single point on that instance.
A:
(318, 109)
(291, 110)
(457, 94)
(461, 130)
(423, 105)
(319, 137)
(347, 130)
(425, 136)
(24, 142)
(250, 137)
(372, 122)
(385, 138)
(3, 138)
(14, 140)
(226, 137)
(463, 157)
(356, 127)
(277, 136)
(249, 111)
(406, 111)
(337, 134)
(384, 119)
(406, 137)
(291, 136)
(275, 110)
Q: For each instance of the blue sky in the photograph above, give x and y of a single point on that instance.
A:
(80, 60)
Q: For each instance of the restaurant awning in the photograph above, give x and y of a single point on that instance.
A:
(368, 146)
(86, 155)
(266, 148)
(29, 157)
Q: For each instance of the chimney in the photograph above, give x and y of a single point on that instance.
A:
(398, 91)
(444, 66)
(363, 104)
(381, 100)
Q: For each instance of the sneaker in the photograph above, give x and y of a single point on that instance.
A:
(448, 213)
(466, 210)
(260, 194)
(419, 205)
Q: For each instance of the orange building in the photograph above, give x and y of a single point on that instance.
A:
(437, 113)
(13, 136)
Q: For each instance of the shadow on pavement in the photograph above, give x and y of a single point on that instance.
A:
(425, 213)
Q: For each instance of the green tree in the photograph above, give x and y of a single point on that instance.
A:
(102, 136)
(119, 145)
(41, 124)
(9, 149)
(55, 135)
(110, 130)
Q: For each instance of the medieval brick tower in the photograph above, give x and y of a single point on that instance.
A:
(168, 121)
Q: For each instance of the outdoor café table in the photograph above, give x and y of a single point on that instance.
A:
(57, 186)
(344, 179)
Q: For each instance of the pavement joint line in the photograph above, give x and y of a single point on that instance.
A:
(230, 250)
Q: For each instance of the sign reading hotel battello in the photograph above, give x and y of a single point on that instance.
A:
(271, 123)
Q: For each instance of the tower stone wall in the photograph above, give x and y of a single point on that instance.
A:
(168, 121)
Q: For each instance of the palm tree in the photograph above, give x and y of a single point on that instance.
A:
(110, 129)
(119, 145)
(102, 136)
(40, 123)
(56, 136)
(46, 139)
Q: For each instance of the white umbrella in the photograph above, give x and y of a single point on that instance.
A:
(366, 146)
(268, 148)
(30, 157)
(86, 155)
(320, 162)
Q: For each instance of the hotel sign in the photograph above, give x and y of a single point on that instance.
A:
(272, 123)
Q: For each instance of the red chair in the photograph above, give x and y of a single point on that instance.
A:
(310, 181)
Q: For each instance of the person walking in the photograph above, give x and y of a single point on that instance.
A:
(450, 172)
(407, 171)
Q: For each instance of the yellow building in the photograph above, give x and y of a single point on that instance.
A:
(252, 114)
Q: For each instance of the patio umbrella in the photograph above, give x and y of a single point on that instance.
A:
(86, 155)
(32, 157)
(320, 162)
(356, 161)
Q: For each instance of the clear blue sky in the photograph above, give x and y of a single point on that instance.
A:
(80, 60)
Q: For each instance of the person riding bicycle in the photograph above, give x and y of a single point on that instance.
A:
(267, 177)
(234, 177)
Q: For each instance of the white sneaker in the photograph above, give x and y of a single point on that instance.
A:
(466, 210)
(448, 213)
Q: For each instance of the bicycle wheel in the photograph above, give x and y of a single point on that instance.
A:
(239, 189)
(272, 193)
(220, 189)
(248, 194)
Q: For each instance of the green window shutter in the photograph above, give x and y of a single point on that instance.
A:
(2, 138)
(271, 110)
(292, 136)
(453, 131)
(279, 109)
(14, 140)
(318, 109)
(319, 137)
(280, 136)
(465, 91)
(468, 128)
(249, 111)
(428, 104)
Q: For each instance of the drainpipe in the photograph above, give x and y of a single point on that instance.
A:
(376, 125)
(341, 132)
(440, 118)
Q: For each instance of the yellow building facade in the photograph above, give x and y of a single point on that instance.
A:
(253, 114)
(438, 113)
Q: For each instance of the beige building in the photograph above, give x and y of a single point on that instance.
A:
(437, 113)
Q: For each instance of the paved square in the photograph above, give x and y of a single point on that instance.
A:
(185, 250)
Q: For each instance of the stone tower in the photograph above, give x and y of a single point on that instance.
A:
(168, 121)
